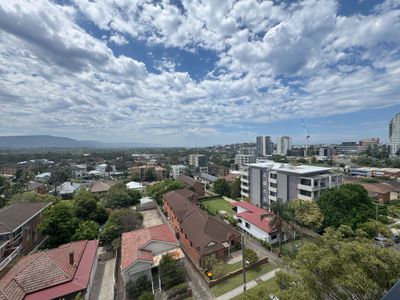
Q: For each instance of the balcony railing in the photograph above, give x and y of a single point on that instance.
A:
(9, 258)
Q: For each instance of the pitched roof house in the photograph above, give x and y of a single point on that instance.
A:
(200, 234)
(62, 272)
(193, 184)
(142, 250)
(250, 220)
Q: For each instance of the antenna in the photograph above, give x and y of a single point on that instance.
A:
(307, 133)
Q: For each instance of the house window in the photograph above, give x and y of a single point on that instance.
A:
(273, 236)
(247, 225)
(240, 220)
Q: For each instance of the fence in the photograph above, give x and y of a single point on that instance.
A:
(214, 282)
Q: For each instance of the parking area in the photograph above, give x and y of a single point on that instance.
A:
(151, 218)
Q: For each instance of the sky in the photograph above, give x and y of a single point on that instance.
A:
(198, 72)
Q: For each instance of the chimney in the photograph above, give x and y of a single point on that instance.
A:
(71, 259)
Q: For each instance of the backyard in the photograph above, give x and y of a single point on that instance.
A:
(215, 205)
(234, 282)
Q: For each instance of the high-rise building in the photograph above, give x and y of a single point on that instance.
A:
(283, 145)
(198, 160)
(264, 145)
(368, 142)
(265, 182)
(394, 135)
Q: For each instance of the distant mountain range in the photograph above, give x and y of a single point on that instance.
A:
(48, 141)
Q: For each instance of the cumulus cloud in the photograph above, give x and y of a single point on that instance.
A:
(275, 61)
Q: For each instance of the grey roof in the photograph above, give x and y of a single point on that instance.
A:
(13, 216)
(208, 177)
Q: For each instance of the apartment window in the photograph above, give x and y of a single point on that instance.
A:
(273, 185)
(271, 193)
(247, 225)
(273, 175)
(305, 181)
(305, 193)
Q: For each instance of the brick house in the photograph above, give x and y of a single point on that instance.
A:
(200, 234)
(18, 229)
(59, 273)
(192, 184)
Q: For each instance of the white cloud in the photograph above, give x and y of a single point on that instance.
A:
(276, 62)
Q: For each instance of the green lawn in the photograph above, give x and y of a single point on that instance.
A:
(236, 281)
(260, 290)
(232, 267)
(291, 247)
(215, 205)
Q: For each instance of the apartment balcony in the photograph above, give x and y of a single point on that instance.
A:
(244, 194)
(272, 198)
(272, 189)
(4, 263)
(273, 180)
(306, 187)
(244, 187)
(303, 197)
(242, 179)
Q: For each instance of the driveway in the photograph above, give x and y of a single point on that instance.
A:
(252, 243)
(200, 289)
(151, 218)
(103, 283)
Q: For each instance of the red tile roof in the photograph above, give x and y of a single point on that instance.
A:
(48, 274)
(133, 242)
(253, 215)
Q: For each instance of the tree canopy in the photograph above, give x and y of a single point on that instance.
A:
(87, 207)
(340, 268)
(307, 213)
(59, 224)
(235, 188)
(32, 197)
(347, 204)
(157, 190)
(118, 197)
(222, 187)
(118, 222)
(88, 230)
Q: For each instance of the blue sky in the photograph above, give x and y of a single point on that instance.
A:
(185, 73)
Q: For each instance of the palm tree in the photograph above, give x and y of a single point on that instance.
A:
(281, 219)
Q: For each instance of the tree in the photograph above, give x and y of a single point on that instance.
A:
(373, 228)
(150, 175)
(306, 213)
(209, 261)
(117, 197)
(171, 272)
(146, 296)
(250, 255)
(222, 187)
(58, 176)
(134, 289)
(339, 268)
(347, 204)
(118, 222)
(281, 219)
(235, 188)
(135, 196)
(87, 207)
(88, 230)
(59, 224)
(156, 191)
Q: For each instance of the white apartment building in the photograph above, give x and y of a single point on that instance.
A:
(243, 159)
(177, 170)
(283, 145)
(198, 160)
(394, 134)
(268, 181)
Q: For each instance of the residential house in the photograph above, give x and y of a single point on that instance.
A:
(207, 179)
(133, 185)
(79, 170)
(250, 220)
(378, 191)
(193, 184)
(68, 189)
(101, 187)
(43, 177)
(142, 250)
(38, 187)
(60, 273)
(200, 234)
(18, 229)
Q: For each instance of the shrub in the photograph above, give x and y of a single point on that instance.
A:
(146, 296)
(178, 290)
(250, 255)
(136, 288)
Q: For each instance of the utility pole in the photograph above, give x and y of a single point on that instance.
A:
(243, 263)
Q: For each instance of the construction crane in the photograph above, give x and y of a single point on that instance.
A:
(307, 133)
